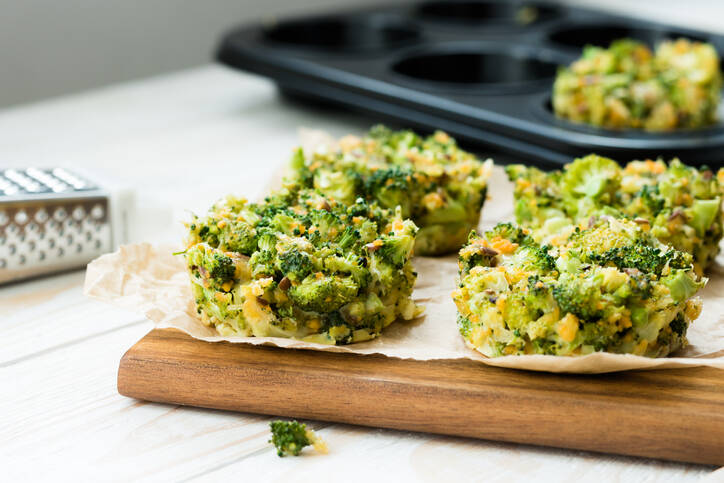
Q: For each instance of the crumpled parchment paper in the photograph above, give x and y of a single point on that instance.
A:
(152, 280)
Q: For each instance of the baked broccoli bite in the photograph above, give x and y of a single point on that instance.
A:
(438, 185)
(291, 437)
(628, 86)
(301, 265)
(678, 204)
(612, 287)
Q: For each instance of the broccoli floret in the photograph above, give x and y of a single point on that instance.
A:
(339, 186)
(240, 237)
(302, 173)
(623, 244)
(348, 238)
(475, 254)
(578, 296)
(291, 437)
(352, 264)
(294, 264)
(328, 225)
(652, 200)
(396, 250)
(682, 285)
(267, 241)
(640, 256)
(323, 293)
(536, 286)
(262, 264)
(703, 214)
(511, 232)
(284, 222)
(208, 231)
(592, 176)
(678, 325)
(464, 325)
(391, 188)
(535, 258)
(220, 267)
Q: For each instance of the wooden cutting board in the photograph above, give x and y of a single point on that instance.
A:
(667, 414)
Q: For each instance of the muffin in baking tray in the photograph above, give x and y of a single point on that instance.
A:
(678, 204)
(629, 86)
(301, 265)
(610, 287)
(438, 185)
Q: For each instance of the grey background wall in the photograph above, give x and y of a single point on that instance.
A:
(53, 47)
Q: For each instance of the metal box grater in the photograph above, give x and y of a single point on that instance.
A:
(50, 220)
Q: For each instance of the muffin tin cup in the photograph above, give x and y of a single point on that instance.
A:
(482, 70)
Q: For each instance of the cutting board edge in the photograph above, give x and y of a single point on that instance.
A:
(140, 372)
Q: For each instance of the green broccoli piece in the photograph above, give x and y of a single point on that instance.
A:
(464, 325)
(284, 222)
(262, 264)
(267, 241)
(511, 232)
(208, 231)
(339, 186)
(294, 264)
(535, 258)
(396, 250)
(352, 264)
(391, 188)
(639, 255)
(682, 285)
(592, 176)
(348, 238)
(482, 256)
(327, 223)
(703, 214)
(651, 199)
(578, 296)
(240, 237)
(300, 171)
(323, 294)
(220, 267)
(291, 437)
(679, 325)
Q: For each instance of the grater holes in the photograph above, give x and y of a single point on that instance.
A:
(60, 214)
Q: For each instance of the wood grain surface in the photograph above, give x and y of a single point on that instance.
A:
(668, 414)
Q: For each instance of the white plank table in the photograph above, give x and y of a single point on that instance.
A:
(179, 141)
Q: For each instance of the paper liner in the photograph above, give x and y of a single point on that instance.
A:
(152, 280)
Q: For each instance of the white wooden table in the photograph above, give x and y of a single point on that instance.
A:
(60, 415)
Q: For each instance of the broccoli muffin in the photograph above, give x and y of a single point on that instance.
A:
(678, 204)
(438, 185)
(612, 287)
(303, 266)
(628, 86)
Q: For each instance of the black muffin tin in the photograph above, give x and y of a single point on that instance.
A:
(481, 70)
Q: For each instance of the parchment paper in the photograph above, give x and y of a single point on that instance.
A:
(153, 281)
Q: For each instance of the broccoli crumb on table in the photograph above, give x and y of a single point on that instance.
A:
(438, 185)
(291, 437)
(678, 204)
(609, 287)
(301, 265)
(628, 86)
